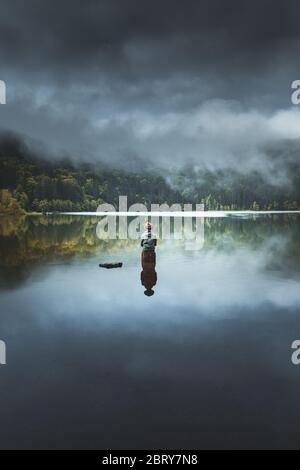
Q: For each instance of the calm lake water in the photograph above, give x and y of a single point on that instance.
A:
(205, 362)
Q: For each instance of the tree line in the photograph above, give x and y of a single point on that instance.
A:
(30, 184)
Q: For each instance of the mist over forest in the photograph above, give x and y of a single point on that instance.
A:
(30, 183)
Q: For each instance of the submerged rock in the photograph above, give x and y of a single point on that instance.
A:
(111, 265)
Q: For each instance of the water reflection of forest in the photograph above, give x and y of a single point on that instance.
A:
(29, 239)
(35, 238)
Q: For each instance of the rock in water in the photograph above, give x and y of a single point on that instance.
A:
(110, 265)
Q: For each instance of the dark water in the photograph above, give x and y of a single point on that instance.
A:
(204, 363)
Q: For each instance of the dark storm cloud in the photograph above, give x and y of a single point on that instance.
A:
(132, 78)
(140, 36)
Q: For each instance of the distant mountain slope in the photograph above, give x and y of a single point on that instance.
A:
(30, 183)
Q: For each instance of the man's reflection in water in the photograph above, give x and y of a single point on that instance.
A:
(148, 258)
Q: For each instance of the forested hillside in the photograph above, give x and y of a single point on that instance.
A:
(36, 185)
(31, 184)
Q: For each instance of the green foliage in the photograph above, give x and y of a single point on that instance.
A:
(9, 204)
(44, 187)
(33, 184)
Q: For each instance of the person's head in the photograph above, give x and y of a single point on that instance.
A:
(148, 226)
(149, 292)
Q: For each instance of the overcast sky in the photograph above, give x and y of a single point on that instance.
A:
(206, 82)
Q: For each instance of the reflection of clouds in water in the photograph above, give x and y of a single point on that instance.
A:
(220, 280)
(92, 347)
(211, 281)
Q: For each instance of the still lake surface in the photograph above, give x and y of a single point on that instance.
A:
(205, 362)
